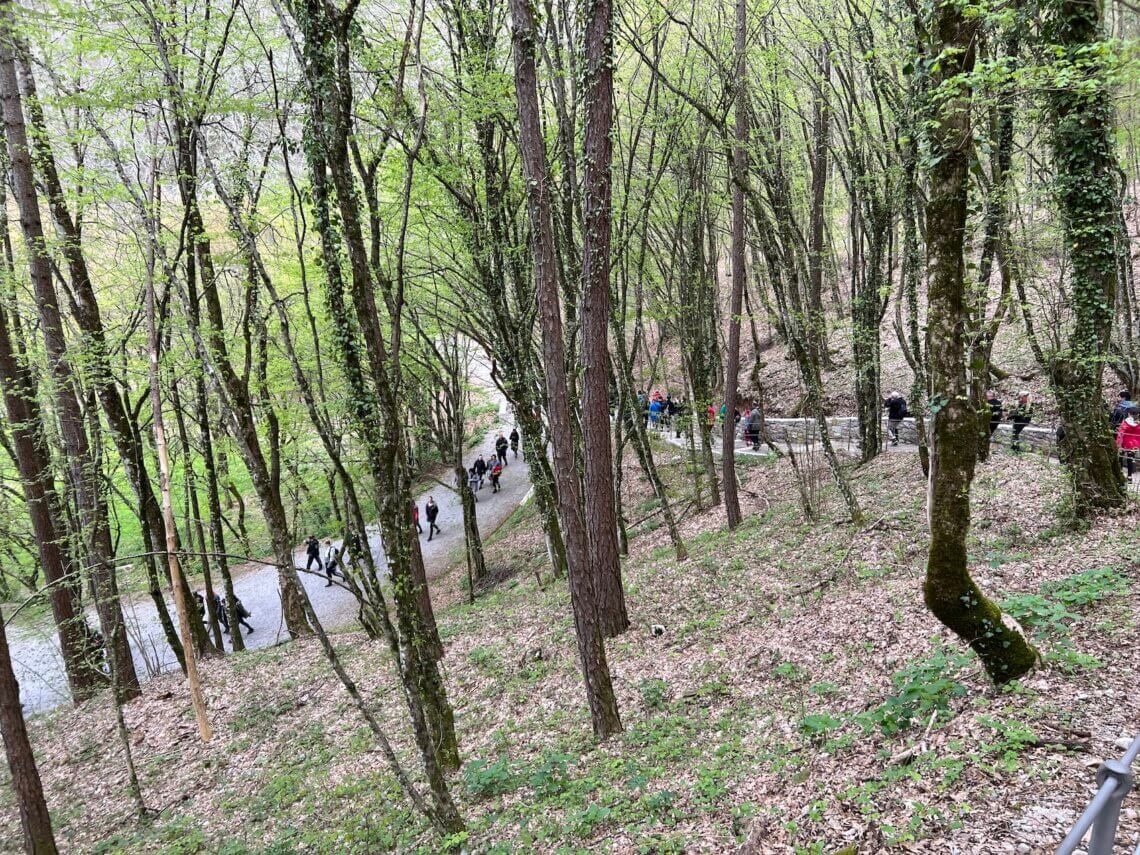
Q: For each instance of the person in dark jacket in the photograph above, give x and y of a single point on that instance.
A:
(501, 449)
(200, 602)
(1021, 415)
(994, 403)
(242, 614)
(313, 551)
(480, 470)
(678, 416)
(895, 405)
(515, 441)
(219, 612)
(754, 426)
(1120, 411)
(431, 511)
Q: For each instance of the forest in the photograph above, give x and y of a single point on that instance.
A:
(515, 426)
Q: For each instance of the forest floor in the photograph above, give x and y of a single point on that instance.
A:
(801, 698)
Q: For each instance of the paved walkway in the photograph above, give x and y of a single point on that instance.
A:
(35, 649)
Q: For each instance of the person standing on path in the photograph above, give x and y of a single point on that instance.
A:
(515, 441)
(313, 552)
(755, 426)
(496, 471)
(994, 403)
(473, 482)
(416, 519)
(480, 470)
(431, 511)
(501, 449)
(1128, 439)
(1022, 414)
(895, 405)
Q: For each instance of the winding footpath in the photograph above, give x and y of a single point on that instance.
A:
(35, 649)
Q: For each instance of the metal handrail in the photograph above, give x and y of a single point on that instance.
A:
(1114, 780)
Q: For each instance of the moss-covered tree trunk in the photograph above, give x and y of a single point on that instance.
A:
(949, 591)
(1086, 187)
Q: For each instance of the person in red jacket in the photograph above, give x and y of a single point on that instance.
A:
(1128, 439)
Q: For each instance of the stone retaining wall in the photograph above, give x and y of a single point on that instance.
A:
(845, 430)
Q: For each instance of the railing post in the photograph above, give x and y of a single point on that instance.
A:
(1104, 829)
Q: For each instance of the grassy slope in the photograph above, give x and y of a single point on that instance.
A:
(763, 716)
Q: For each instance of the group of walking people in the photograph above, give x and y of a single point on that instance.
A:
(331, 563)
(490, 468)
(221, 612)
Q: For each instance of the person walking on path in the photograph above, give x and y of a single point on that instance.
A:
(496, 472)
(1128, 439)
(480, 470)
(242, 614)
(515, 441)
(220, 612)
(431, 511)
(473, 482)
(313, 552)
(332, 562)
(416, 519)
(994, 403)
(1021, 415)
(501, 449)
(895, 405)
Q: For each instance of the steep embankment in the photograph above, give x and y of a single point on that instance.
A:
(801, 698)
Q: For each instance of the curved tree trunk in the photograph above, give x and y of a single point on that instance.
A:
(949, 591)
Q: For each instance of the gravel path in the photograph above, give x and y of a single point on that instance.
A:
(35, 649)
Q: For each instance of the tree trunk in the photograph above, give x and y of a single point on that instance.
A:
(1087, 193)
(34, 816)
(949, 591)
(40, 496)
(817, 320)
(598, 153)
(732, 364)
(84, 478)
(591, 642)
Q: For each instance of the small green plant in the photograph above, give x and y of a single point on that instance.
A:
(816, 726)
(489, 778)
(790, 671)
(654, 692)
(549, 777)
(920, 689)
(584, 821)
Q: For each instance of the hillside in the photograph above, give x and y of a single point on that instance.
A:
(801, 699)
